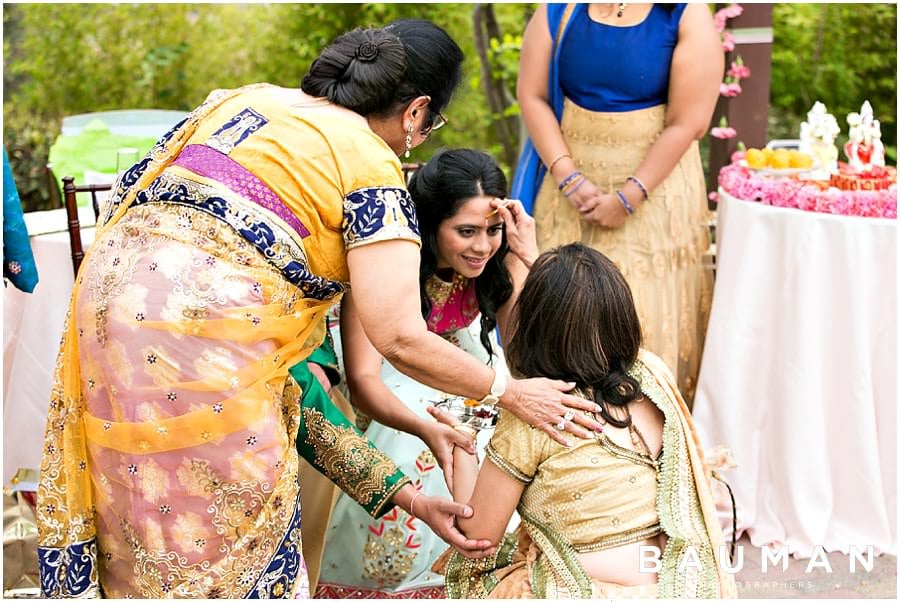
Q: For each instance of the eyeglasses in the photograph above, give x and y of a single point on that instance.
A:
(436, 121)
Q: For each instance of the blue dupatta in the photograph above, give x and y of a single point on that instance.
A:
(530, 170)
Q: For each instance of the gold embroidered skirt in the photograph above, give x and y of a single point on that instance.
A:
(660, 247)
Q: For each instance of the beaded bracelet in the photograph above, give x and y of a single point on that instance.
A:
(557, 160)
(628, 208)
(639, 185)
(567, 193)
(569, 179)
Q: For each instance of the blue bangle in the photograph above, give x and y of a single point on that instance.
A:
(639, 185)
(576, 187)
(628, 208)
(569, 179)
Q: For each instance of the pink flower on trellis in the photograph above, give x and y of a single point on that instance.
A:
(727, 41)
(730, 86)
(723, 14)
(723, 131)
(730, 90)
(738, 69)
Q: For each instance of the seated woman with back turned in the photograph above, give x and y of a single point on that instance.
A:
(592, 510)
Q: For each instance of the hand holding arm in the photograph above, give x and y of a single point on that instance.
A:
(492, 493)
(441, 516)
(607, 211)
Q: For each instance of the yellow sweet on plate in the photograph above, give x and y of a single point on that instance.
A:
(781, 159)
(800, 160)
(755, 158)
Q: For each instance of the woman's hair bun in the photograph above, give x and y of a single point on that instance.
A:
(360, 70)
(367, 52)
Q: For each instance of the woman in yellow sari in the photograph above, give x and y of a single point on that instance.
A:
(628, 514)
(170, 458)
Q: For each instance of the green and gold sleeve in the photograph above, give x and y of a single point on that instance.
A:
(331, 443)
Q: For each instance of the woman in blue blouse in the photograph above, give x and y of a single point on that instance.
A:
(615, 97)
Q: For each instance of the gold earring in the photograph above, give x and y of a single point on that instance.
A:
(408, 140)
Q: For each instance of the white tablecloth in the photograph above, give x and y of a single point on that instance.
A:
(799, 376)
(32, 327)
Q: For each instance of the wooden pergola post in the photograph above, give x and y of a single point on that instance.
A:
(748, 112)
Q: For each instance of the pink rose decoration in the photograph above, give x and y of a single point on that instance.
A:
(719, 20)
(739, 71)
(806, 198)
(748, 185)
(727, 41)
(733, 10)
(730, 89)
(723, 133)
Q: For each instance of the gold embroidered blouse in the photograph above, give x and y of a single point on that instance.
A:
(596, 494)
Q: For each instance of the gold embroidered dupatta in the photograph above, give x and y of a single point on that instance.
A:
(169, 466)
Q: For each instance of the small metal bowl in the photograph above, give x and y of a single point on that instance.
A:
(469, 411)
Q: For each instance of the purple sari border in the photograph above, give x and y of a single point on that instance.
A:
(215, 165)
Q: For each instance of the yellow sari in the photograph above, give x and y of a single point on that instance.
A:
(170, 466)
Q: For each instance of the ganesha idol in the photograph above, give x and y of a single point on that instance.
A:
(864, 149)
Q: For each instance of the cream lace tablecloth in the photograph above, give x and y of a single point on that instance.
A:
(799, 376)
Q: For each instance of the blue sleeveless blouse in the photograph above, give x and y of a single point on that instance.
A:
(616, 69)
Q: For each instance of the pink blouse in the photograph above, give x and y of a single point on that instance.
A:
(454, 304)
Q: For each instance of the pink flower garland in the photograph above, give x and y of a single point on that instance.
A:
(747, 185)
(731, 86)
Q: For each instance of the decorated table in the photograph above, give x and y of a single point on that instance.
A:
(799, 376)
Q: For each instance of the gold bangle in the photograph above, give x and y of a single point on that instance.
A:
(557, 160)
(412, 512)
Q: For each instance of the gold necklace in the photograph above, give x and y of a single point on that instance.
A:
(619, 9)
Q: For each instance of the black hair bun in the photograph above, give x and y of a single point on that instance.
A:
(366, 52)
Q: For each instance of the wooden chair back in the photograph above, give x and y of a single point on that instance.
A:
(408, 170)
(70, 198)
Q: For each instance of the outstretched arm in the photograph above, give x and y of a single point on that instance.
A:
(368, 392)
(491, 493)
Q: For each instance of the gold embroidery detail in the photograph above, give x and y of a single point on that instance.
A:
(385, 559)
(347, 458)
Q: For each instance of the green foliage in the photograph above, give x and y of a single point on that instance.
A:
(840, 54)
(65, 59)
(27, 141)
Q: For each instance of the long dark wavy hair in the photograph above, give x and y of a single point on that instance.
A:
(575, 321)
(439, 189)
